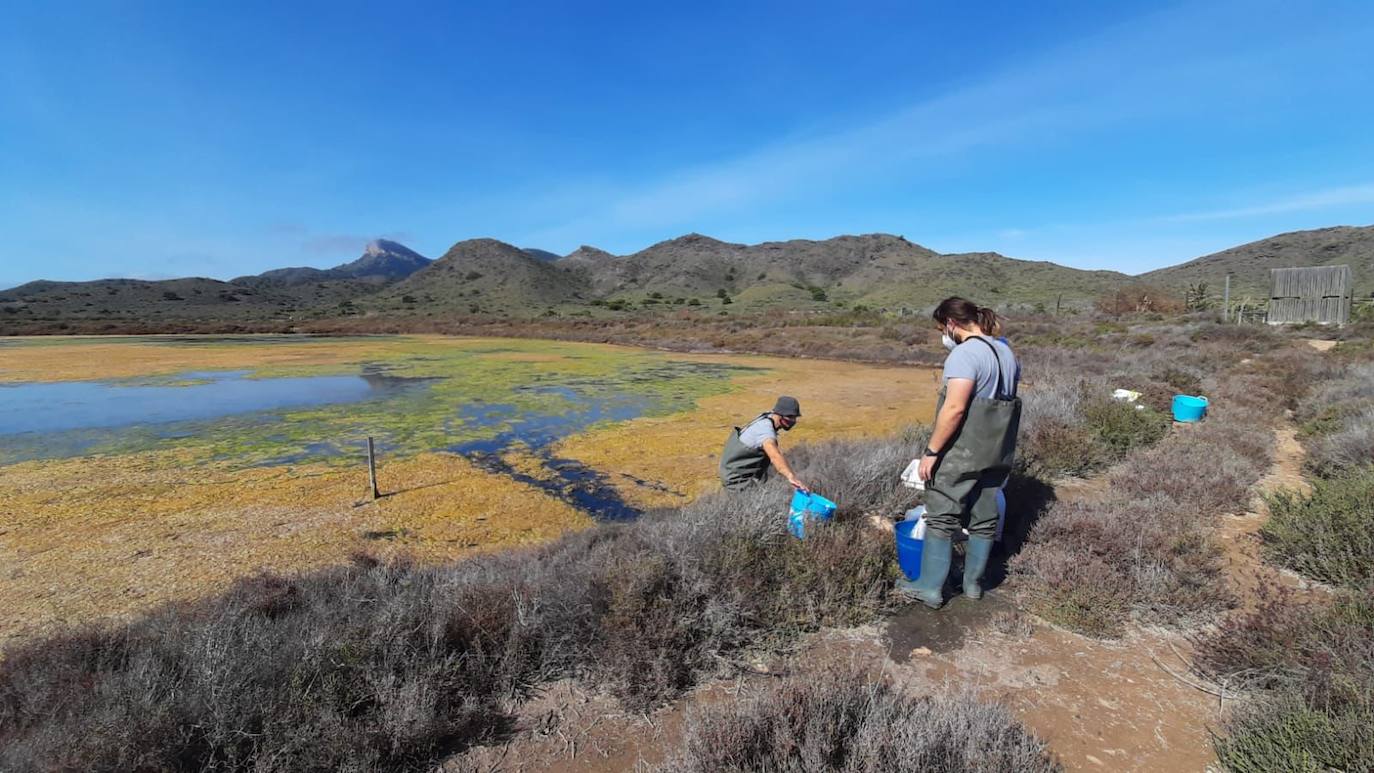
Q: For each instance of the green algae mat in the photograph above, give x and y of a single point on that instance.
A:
(262, 400)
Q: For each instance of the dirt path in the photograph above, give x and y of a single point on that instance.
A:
(1101, 705)
(1127, 705)
(1239, 534)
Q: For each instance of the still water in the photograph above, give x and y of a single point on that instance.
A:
(71, 405)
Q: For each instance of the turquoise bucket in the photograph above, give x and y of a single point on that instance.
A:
(808, 507)
(1188, 408)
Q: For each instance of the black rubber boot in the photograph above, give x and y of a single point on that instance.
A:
(929, 588)
(976, 552)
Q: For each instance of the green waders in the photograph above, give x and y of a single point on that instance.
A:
(740, 465)
(974, 465)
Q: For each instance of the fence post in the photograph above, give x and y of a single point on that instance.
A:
(372, 468)
(1226, 300)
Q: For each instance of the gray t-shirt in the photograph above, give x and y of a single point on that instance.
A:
(975, 360)
(758, 431)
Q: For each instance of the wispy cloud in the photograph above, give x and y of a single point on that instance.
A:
(1330, 198)
(346, 244)
(1113, 79)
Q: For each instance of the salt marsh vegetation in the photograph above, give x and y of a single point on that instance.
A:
(485, 443)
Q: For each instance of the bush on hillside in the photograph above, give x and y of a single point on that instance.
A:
(1121, 427)
(1327, 535)
(1283, 733)
(840, 720)
(1315, 666)
(1344, 447)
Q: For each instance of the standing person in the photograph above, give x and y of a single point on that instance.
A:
(971, 447)
(752, 449)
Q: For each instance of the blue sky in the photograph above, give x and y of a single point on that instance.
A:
(216, 139)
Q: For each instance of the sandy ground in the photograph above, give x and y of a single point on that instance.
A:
(108, 536)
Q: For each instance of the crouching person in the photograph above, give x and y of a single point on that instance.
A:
(751, 450)
(971, 448)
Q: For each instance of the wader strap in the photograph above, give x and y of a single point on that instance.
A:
(997, 393)
(749, 424)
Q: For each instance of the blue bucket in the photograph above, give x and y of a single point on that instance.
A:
(1187, 408)
(909, 549)
(806, 507)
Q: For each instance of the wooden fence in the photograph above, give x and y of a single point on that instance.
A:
(1316, 294)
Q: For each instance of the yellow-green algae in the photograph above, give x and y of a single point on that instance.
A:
(107, 535)
(450, 381)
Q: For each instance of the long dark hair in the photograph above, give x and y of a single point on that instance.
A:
(966, 312)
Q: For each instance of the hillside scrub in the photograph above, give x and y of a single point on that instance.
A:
(1328, 534)
(840, 720)
(1311, 673)
(1309, 665)
(1145, 551)
(1337, 419)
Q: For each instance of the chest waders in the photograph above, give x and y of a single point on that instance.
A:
(740, 465)
(974, 465)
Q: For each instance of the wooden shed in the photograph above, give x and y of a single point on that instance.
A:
(1315, 294)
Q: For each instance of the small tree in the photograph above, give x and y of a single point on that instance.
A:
(1196, 298)
(818, 294)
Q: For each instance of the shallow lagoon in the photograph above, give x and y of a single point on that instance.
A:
(472, 398)
(53, 408)
(486, 443)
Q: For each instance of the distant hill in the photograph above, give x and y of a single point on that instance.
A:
(873, 269)
(382, 261)
(544, 255)
(136, 300)
(485, 275)
(1249, 264)
(585, 260)
(490, 277)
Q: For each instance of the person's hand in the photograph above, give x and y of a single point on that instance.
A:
(798, 485)
(927, 469)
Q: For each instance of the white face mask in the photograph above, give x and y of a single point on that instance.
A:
(948, 341)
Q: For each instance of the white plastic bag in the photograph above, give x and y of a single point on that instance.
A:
(911, 476)
(918, 514)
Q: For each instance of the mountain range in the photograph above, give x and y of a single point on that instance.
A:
(490, 277)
